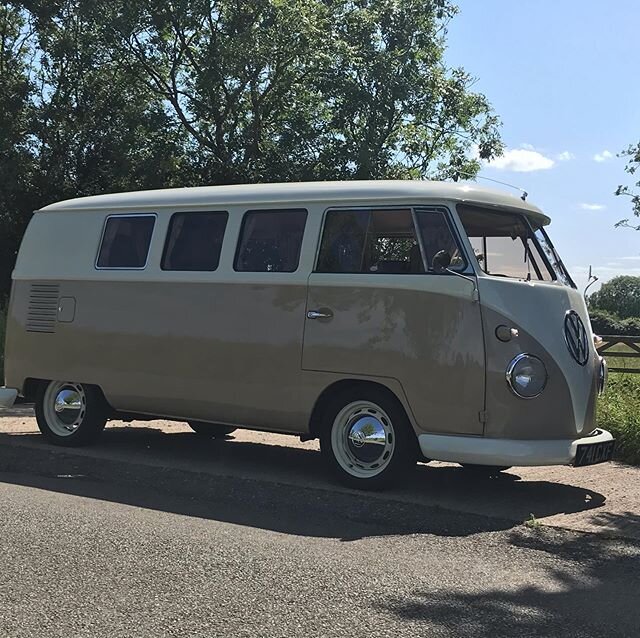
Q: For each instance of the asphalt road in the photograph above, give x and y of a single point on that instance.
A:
(92, 545)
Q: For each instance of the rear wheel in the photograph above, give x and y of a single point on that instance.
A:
(212, 430)
(70, 413)
(367, 440)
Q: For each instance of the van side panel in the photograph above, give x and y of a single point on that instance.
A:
(423, 330)
(218, 351)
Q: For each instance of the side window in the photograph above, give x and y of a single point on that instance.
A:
(194, 241)
(437, 235)
(270, 241)
(370, 241)
(125, 241)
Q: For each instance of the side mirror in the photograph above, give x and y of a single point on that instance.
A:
(441, 261)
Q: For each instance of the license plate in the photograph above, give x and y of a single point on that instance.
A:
(592, 453)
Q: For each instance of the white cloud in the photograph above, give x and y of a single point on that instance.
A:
(631, 258)
(592, 206)
(528, 147)
(522, 160)
(565, 156)
(603, 157)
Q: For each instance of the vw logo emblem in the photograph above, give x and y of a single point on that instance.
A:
(357, 438)
(575, 336)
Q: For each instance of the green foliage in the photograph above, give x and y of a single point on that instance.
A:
(309, 89)
(16, 153)
(606, 323)
(633, 153)
(619, 413)
(131, 94)
(620, 297)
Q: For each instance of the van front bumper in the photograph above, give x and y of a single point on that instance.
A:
(478, 450)
(7, 397)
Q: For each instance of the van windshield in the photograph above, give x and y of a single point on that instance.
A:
(505, 245)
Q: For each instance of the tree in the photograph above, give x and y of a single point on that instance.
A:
(75, 119)
(98, 127)
(16, 152)
(633, 152)
(620, 297)
(310, 89)
(132, 94)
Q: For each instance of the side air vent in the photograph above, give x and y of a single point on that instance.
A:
(43, 307)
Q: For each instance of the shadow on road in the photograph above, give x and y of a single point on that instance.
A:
(276, 487)
(596, 597)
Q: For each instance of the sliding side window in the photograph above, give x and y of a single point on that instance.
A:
(194, 241)
(270, 241)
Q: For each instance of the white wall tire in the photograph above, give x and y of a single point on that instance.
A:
(70, 413)
(367, 439)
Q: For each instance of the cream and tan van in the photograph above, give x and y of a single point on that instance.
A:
(394, 321)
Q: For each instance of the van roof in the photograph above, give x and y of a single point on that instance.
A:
(249, 194)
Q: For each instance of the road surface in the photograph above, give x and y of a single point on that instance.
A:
(156, 533)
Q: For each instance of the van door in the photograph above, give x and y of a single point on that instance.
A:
(376, 309)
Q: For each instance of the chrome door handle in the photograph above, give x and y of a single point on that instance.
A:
(316, 314)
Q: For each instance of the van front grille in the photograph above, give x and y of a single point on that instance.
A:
(43, 307)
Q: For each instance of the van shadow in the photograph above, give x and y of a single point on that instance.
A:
(279, 488)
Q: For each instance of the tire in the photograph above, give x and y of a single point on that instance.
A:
(70, 413)
(211, 430)
(391, 451)
(485, 470)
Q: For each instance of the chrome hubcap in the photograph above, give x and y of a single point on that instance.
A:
(65, 406)
(363, 439)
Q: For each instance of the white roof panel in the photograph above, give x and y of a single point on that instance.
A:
(297, 192)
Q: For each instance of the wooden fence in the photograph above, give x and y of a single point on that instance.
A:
(622, 353)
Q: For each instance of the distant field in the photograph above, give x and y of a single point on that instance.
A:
(628, 363)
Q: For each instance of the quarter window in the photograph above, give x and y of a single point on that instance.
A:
(125, 241)
(194, 241)
(437, 236)
(270, 241)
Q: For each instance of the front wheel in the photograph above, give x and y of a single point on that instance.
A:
(367, 440)
(212, 430)
(70, 413)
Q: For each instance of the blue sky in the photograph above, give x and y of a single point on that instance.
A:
(563, 77)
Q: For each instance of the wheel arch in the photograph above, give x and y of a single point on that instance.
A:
(325, 397)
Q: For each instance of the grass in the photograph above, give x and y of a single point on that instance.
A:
(619, 412)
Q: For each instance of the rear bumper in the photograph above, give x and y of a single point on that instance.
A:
(485, 451)
(7, 397)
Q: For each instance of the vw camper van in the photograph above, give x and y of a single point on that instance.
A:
(395, 321)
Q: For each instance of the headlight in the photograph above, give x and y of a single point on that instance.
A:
(603, 375)
(526, 376)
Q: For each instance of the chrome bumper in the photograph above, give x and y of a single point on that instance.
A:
(485, 451)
